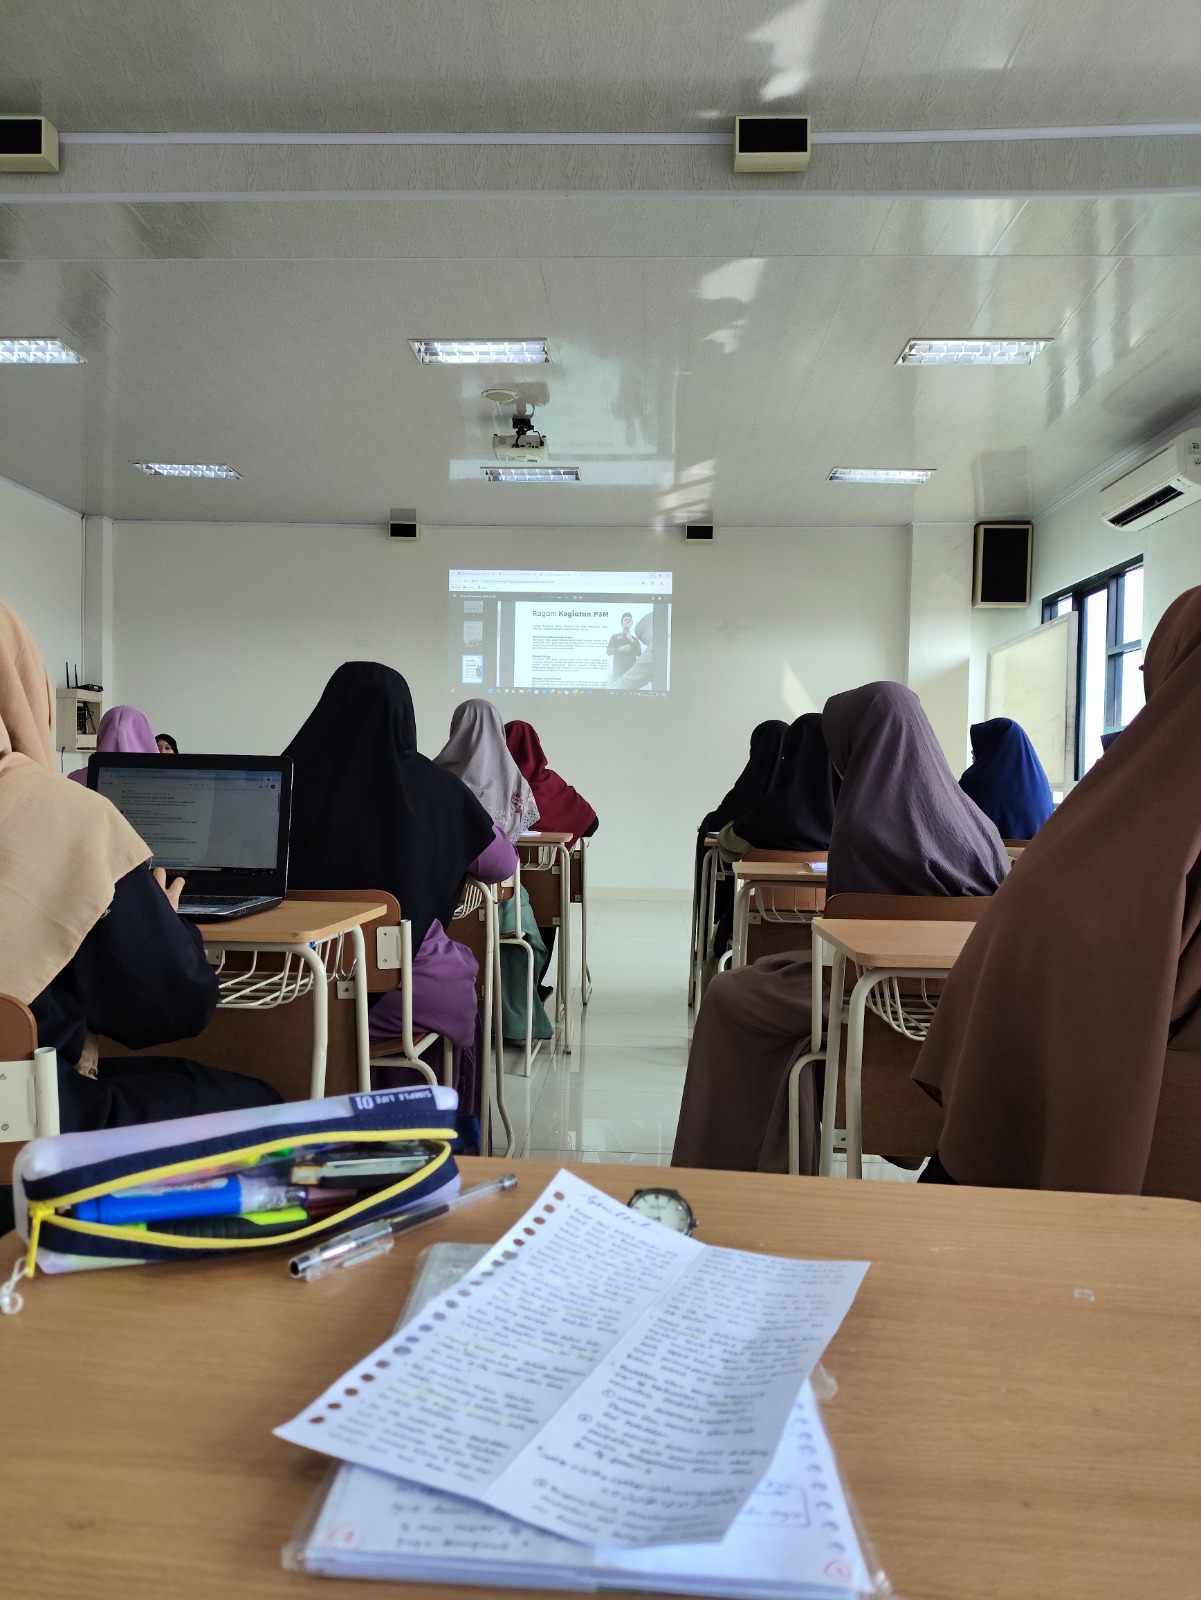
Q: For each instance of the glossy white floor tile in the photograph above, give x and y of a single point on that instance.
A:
(616, 1097)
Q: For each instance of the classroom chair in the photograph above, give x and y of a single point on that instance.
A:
(28, 1084)
(899, 1120)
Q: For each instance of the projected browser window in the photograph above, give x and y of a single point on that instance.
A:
(527, 632)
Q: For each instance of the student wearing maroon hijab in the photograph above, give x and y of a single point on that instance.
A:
(561, 809)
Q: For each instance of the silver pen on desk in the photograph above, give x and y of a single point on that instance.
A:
(374, 1238)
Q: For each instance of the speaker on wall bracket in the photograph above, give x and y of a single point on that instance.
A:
(698, 533)
(404, 525)
(1002, 565)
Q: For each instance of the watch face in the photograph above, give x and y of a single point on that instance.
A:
(665, 1206)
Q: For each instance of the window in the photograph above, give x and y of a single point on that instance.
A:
(1109, 685)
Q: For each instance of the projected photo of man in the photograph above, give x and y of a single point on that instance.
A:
(624, 647)
(638, 675)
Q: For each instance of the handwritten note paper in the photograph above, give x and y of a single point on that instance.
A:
(795, 1535)
(597, 1376)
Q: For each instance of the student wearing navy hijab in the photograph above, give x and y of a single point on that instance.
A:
(1006, 779)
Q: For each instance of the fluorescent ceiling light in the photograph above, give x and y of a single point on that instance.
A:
(971, 352)
(184, 469)
(480, 352)
(38, 353)
(532, 474)
(880, 474)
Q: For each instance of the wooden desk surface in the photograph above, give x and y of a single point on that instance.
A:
(779, 870)
(1018, 1412)
(896, 944)
(293, 922)
(544, 838)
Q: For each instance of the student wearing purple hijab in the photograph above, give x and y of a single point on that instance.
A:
(124, 729)
(902, 825)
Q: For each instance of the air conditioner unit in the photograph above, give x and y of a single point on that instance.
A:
(1167, 483)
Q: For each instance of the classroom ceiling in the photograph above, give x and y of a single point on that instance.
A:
(718, 345)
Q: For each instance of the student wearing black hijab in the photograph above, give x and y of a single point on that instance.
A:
(796, 813)
(761, 771)
(370, 812)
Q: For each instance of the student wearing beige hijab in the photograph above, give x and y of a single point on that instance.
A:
(1066, 1048)
(90, 939)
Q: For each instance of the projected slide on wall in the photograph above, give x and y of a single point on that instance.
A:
(523, 632)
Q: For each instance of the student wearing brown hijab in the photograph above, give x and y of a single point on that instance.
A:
(1066, 1049)
(902, 825)
(89, 940)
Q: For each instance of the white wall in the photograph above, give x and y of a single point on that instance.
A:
(41, 572)
(939, 641)
(1072, 544)
(225, 634)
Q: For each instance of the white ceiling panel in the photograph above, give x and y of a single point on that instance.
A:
(597, 65)
(750, 375)
(718, 345)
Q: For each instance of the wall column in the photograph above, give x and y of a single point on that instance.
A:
(98, 604)
(940, 630)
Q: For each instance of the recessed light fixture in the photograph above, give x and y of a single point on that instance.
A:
(480, 352)
(532, 474)
(880, 474)
(184, 469)
(971, 352)
(38, 353)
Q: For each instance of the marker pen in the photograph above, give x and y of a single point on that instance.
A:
(224, 1197)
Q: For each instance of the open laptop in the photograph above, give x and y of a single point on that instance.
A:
(219, 822)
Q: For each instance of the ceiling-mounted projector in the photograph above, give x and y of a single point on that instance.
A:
(525, 443)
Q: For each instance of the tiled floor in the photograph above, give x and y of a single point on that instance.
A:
(616, 1098)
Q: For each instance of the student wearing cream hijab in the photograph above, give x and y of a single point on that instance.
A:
(90, 939)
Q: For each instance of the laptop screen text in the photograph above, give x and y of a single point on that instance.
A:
(198, 821)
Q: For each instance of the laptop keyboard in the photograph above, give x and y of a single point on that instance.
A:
(222, 905)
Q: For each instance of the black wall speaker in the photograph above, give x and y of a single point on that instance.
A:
(27, 144)
(404, 530)
(698, 532)
(771, 144)
(1002, 571)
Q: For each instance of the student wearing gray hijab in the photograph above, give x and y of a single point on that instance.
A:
(902, 825)
(477, 754)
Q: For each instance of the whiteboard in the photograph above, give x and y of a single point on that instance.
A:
(1032, 680)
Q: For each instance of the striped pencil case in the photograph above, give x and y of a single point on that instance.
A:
(68, 1188)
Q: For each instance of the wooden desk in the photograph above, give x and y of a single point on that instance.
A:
(304, 932)
(1018, 1410)
(880, 951)
(762, 870)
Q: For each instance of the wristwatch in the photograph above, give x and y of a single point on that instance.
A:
(667, 1206)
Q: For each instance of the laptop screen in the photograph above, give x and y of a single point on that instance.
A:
(201, 819)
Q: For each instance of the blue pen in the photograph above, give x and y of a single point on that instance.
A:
(226, 1197)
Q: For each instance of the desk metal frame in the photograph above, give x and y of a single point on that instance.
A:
(908, 1016)
(746, 889)
(306, 968)
(551, 855)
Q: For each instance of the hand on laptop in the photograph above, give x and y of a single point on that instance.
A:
(172, 890)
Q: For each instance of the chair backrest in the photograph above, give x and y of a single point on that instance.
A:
(380, 980)
(28, 1083)
(908, 907)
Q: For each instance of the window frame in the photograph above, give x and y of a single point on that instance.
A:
(1112, 583)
